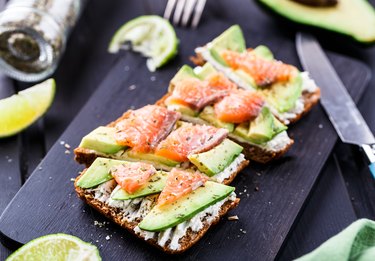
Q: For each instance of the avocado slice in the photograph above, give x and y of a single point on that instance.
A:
(217, 159)
(98, 172)
(154, 185)
(242, 130)
(278, 126)
(185, 110)
(263, 52)
(208, 114)
(205, 71)
(163, 217)
(184, 73)
(354, 18)
(101, 140)
(231, 39)
(151, 158)
(262, 129)
(283, 96)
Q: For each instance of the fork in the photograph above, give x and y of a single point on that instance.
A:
(183, 11)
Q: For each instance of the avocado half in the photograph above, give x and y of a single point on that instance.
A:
(354, 18)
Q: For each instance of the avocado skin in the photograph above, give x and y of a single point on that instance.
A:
(325, 31)
(163, 217)
(317, 2)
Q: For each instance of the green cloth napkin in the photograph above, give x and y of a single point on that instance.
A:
(356, 242)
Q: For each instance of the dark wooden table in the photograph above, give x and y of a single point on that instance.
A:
(342, 194)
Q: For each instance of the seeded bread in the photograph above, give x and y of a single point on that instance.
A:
(114, 214)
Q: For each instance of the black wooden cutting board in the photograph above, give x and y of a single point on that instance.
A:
(271, 196)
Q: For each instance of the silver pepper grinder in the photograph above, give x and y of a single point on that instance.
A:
(33, 36)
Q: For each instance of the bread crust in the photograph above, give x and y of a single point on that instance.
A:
(114, 214)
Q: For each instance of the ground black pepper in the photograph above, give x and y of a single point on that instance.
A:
(33, 35)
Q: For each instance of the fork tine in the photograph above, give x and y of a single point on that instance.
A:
(169, 9)
(198, 12)
(178, 12)
(189, 7)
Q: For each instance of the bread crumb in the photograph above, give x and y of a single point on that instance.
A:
(132, 87)
(153, 78)
(107, 238)
(62, 142)
(67, 151)
(72, 179)
(67, 146)
(99, 224)
(231, 218)
(256, 188)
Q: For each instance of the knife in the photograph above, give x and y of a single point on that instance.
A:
(336, 101)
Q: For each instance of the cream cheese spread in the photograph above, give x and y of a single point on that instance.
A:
(228, 171)
(138, 208)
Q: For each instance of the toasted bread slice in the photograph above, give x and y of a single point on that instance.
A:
(116, 215)
(255, 152)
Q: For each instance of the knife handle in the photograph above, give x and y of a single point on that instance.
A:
(372, 169)
(369, 151)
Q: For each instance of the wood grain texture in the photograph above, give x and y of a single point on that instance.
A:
(266, 215)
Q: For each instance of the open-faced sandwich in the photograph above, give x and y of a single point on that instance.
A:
(288, 92)
(171, 210)
(154, 134)
(206, 96)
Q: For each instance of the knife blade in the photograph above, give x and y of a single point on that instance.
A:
(336, 101)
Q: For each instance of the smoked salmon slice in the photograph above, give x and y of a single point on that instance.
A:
(133, 175)
(196, 94)
(239, 106)
(264, 72)
(189, 139)
(144, 128)
(180, 183)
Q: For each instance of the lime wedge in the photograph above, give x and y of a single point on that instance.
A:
(58, 247)
(22, 109)
(150, 35)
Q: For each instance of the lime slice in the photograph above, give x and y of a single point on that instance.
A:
(56, 247)
(150, 35)
(22, 109)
